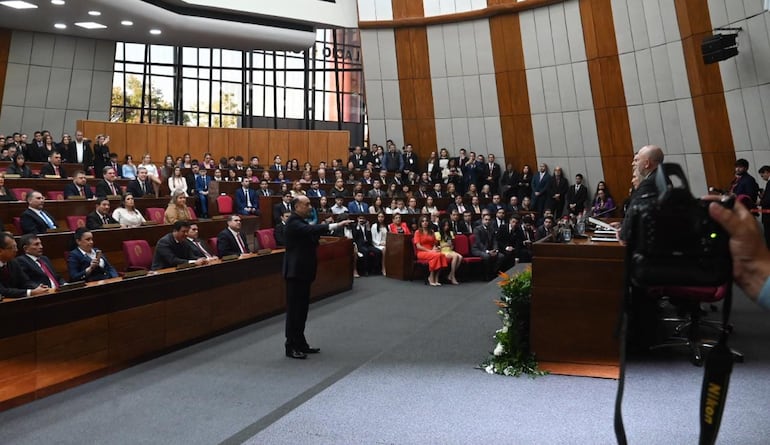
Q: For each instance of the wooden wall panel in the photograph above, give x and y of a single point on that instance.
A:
(218, 140)
(118, 143)
(136, 140)
(707, 91)
(178, 136)
(157, 141)
(319, 147)
(299, 145)
(198, 143)
(258, 145)
(338, 145)
(610, 110)
(17, 366)
(238, 142)
(512, 93)
(278, 143)
(71, 350)
(91, 129)
(407, 9)
(136, 332)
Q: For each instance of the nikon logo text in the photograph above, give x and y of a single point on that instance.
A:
(712, 401)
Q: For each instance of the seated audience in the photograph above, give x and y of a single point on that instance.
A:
(100, 216)
(547, 229)
(107, 185)
(198, 246)
(445, 237)
(427, 249)
(85, 263)
(173, 249)
(177, 182)
(397, 226)
(339, 206)
(358, 205)
(18, 167)
(128, 171)
(177, 209)
(14, 283)
(379, 235)
(78, 186)
(230, 241)
(246, 201)
(279, 232)
(127, 214)
(53, 167)
(603, 205)
(485, 246)
(370, 256)
(37, 266)
(34, 219)
(283, 206)
(264, 188)
(202, 192)
(5, 194)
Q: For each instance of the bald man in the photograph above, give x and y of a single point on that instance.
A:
(644, 167)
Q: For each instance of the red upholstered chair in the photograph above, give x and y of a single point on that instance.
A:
(463, 247)
(21, 193)
(55, 195)
(17, 224)
(75, 222)
(138, 254)
(155, 214)
(193, 216)
(266, 238)
(213, 244)
(225, 205)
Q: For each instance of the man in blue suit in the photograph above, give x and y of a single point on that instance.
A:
(358, 205)
(202, 190)
(315, 190)
(246, 201)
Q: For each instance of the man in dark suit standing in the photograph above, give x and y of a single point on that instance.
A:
(141, 186)
(78, 186)
(173, 249)
(577, 196)
(80, 151)
(14, 283)
(37, 266)
(100, 216)
(279, 232)
(283, 206)
(541, 181)
(246, 201)
(492, 173)
(35, 219)
(299, 271)
(230, 241)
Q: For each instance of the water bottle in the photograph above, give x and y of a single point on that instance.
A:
(580, 226)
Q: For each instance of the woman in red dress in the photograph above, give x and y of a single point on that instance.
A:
(397, 226)
(428, 249)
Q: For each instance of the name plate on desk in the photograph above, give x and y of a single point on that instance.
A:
(12, 175)
(73, 285)
(110, 226)
(113, 197)
(264, 251)
(183, 266)
(75, 197)
(135, 274)
(57, 230)
(52, 177)
(150, 223)
(230, 257)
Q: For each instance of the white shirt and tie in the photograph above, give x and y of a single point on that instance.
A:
(44, 216)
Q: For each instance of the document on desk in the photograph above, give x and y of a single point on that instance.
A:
(603, 239)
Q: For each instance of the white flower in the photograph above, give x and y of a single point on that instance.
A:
(490, 369)
(504, 330)
(507, 371)
(498, 350)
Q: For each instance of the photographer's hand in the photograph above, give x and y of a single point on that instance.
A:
(751, 259)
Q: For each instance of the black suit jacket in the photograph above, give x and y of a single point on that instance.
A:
(88, 154)
(279, 233)
(72, 190)
(35, 273)
(278, 210)
(169, 252)
(135, 188)
(13, 281)
(485, 240)
(578, 198)
(32, 223)
(101, 159)
(77, 263)
(95, 221)
(103, 189)
(300, 261)
(196, 251)
(227, 245)
(48, 169)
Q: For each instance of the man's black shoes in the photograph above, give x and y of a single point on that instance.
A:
(309, 350)
(294, 353)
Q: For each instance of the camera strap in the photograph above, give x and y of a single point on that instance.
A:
(716, 374)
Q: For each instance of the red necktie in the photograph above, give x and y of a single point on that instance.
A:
(56, 170)
(82, 192)
(204, 251)
(240, 243)
(48, 273)
(112, 187)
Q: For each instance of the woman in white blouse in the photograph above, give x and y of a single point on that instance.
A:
(379, 232)
(177, 182)
(152, 170)
(127, 215)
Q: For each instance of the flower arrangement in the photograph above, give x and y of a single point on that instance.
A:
(511, 355)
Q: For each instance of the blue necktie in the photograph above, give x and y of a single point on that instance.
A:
(47, 220)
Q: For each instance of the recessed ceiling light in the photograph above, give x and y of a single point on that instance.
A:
(57, 2)
(94, 13)
(60, 26)
(90, 25)
(18, 5)
(155, 31)
(127, 23)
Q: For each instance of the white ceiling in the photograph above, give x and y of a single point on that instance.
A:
(176, 29)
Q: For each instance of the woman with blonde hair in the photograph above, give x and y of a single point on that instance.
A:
(177, 209)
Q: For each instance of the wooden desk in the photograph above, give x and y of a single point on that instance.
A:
(399, 256)
(59, 340)
(576, 294)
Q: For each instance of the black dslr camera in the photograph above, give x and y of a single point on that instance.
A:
(673, 239)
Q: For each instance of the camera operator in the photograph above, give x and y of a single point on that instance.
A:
(751, 259)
